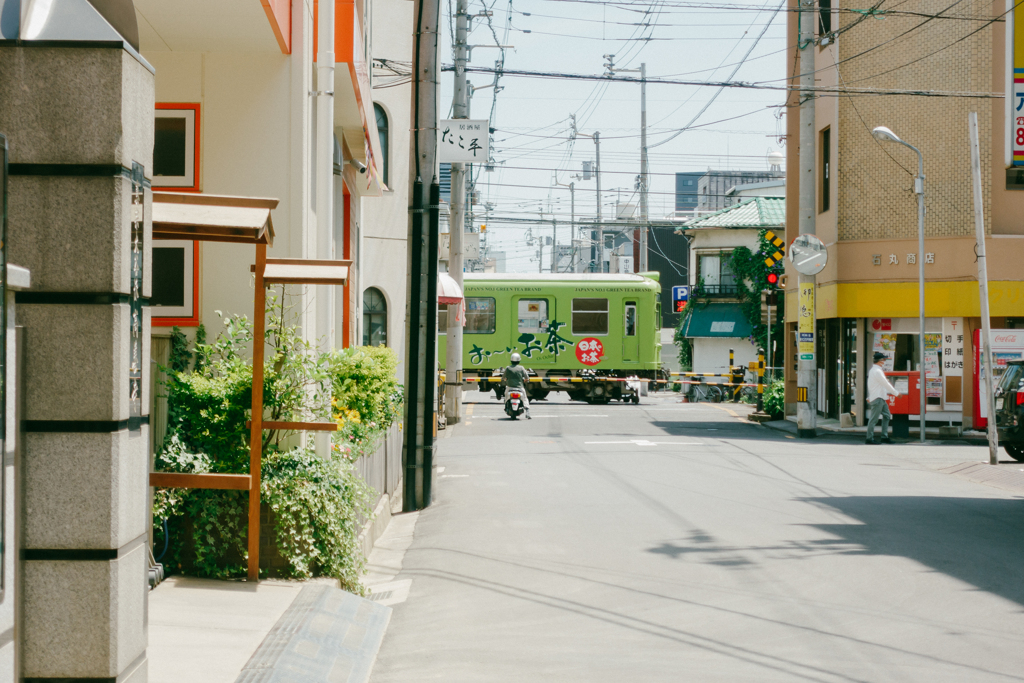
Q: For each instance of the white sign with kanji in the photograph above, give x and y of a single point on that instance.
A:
(464, 141)
(952, 358)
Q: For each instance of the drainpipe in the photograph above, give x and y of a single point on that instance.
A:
(325, 294)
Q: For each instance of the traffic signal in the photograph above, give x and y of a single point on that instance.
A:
(773, 280)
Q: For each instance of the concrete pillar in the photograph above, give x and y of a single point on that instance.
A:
(79, 121)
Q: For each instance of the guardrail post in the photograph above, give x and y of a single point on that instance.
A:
(760, 380)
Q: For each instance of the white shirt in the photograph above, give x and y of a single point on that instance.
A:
(878, 384)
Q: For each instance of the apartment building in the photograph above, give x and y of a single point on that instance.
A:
(866, 213)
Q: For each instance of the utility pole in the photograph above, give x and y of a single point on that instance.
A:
(610, 69)
(598, 252)
(643, 168)
(457, 225)
(421, 288)
(807, 368)
(572, 223)
(986, 322)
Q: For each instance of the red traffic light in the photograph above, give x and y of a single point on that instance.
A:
(773, 279)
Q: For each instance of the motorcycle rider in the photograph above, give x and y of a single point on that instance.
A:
(516, 377)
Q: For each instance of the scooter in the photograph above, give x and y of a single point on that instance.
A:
(514, 406)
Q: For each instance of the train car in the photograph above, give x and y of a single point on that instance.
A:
(582, 333)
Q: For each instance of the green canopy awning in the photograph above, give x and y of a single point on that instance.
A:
(715, 320)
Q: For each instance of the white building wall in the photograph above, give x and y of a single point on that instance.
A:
(386, 219)
(246, 148)
(712, 354)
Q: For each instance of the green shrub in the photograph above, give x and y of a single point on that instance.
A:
(775, 399)
(318, 504)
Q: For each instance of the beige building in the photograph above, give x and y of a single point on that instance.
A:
(237, 111)
(867, 295)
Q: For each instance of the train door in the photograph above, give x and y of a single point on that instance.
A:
(630, 340)
(531, 330)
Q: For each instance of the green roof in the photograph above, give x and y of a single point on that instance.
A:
(715, 320)
(753, 212)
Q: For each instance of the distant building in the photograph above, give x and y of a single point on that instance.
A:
(686, 191)
(713, 187)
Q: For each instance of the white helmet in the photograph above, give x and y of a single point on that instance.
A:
(515, 358)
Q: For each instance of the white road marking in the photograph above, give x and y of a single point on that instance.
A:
(645, 442)
(453, 476)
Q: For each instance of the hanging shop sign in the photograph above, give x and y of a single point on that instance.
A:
(805, 326)
(680, 295)
(464, 141)
(1017, 104)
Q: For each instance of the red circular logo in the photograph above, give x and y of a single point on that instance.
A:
(589, 351)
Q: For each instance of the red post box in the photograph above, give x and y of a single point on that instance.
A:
(909, 386)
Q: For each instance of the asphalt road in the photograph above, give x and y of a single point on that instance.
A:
(678, 542)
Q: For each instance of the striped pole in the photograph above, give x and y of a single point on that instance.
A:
(760, 380)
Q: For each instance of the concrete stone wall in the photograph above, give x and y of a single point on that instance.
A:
(875, 180)
(79, 120)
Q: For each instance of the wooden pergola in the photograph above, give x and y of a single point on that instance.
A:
(242, 220)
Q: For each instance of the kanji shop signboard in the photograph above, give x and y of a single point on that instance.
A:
(464, 141)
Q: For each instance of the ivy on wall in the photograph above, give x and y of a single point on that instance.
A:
(751, 279)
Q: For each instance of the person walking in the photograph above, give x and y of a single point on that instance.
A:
(516, 377)
(879, 389)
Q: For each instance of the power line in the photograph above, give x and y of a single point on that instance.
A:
(821, 90)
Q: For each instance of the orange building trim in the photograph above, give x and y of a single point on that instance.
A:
(279, 13)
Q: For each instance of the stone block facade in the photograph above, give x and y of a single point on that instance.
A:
(79, 121)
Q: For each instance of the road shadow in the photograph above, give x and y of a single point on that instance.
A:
(976, 540)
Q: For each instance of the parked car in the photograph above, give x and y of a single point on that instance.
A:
(1010, 409)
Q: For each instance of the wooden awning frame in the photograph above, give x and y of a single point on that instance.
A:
(213, 218)
(213, 223)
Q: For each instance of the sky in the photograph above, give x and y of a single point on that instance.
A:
(533, 146)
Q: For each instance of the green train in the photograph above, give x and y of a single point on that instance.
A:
(582, 333)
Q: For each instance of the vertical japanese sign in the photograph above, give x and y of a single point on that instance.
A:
(464, 141)
(953, 347)
(135, 301)
(1017, 105)
(805, 324)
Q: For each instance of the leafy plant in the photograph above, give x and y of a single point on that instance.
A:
(775, 399)
(317, 503)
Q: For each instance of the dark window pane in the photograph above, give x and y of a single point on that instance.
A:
(168, 276)
(169, 147)
(382, 132)
(590, 304)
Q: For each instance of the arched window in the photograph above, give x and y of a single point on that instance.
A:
(382, 131)
(375, 317)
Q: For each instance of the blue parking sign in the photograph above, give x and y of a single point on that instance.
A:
(680, 295)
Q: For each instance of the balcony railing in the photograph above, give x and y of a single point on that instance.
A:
(721, 290)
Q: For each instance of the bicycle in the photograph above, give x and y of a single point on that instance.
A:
(710, 393)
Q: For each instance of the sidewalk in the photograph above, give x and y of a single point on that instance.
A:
(826, 426)
(207, 631)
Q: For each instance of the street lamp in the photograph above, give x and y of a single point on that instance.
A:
(883, 134)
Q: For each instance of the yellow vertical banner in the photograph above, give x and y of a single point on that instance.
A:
(805, 324)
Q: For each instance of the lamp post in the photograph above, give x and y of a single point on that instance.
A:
(884, 134)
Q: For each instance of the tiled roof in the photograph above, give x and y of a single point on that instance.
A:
(753, 212)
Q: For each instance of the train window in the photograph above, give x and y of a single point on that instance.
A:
(589, 316)
(533, 315)
(630, 318)
(480, 315)
(442, 318)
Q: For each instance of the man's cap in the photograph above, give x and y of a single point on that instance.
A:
(879, 356)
